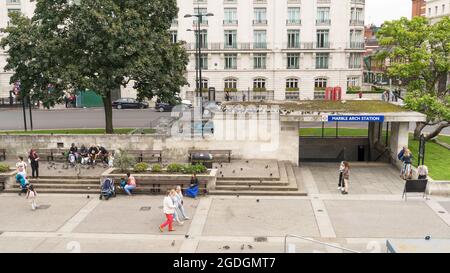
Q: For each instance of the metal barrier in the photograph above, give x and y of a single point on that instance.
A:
(317, 242)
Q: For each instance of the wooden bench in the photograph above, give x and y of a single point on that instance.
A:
(214, 153)
(163, 186)
(2, 154)
(45, 154)
(143, 155)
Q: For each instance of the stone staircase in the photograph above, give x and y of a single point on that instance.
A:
(66, 184)
(285, 184)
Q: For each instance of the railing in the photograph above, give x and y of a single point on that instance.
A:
(293, 22)
(230, 22)
(260, 22)
(356, 45)
(316, 242)
(325, 22)
(354, 22)
(231, 47)
(358, 2)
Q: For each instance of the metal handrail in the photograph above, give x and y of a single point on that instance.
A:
(317, 242)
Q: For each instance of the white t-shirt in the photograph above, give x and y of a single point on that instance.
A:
(21, 164)
(169, 207)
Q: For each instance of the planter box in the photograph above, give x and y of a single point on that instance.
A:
(159, 183)
(7, 180)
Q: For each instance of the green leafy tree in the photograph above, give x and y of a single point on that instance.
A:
(418, 53)
(97, 45)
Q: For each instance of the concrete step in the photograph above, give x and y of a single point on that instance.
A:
(256, 188)
(68, 191)
(64, 186)
(251, 182)
(68, 177)
(64, 181)
(258, 193)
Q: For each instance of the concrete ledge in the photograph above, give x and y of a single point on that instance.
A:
(441, 188)
(7, 180)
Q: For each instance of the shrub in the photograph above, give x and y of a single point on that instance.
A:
(123, 161)
(175, 168)
(156, 168)
(141, 167)
(199, 168)
(4, 168)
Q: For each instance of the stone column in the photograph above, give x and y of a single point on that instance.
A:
(399, 138)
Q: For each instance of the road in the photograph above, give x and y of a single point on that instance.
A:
(12, 119)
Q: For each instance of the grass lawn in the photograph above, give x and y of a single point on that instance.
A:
(437, 158)
(331, 132)
(445, 139)
(120, 131)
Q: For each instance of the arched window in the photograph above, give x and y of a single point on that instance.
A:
(259, 84)
(320, 84)
(291, 84)
(230, 84)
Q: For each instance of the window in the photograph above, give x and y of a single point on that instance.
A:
(443, 9)
(436, 10)
(294, 38)
(293, 60)
(230, 39)
(323, 38)
(353, 81)
(357, 15)
(320, 84)
(17, 2)
(204, 84)
(203, 19)
(323, 16)
(230, 61)
(429, 11)
(174, 36)
(356, 39)
(259, 60)
(292, 84)
(260, 16)
(204, 62)
(203, 39)
(230, 16)
(322, 60)
(259, 84)
(260, 39)
(293, 15)
(355, 60)
(230, 85)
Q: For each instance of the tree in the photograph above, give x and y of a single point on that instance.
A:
(101, 45)
(418, 53)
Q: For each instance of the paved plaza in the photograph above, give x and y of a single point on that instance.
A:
(362, 221)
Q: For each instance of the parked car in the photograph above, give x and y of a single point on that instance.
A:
(207, 127)
(129, 103)
(164, 107)
(209, 108)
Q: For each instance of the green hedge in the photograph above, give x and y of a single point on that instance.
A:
(4, 168)
(141, 167)
(156, 168)
(180, 168)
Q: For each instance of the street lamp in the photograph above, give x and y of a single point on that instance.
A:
(198, 69)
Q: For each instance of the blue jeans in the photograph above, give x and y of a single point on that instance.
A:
(129, 188)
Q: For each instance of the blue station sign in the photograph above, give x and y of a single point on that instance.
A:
(355, 118)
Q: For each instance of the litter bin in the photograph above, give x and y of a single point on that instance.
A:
(361, 153)
(206, 159)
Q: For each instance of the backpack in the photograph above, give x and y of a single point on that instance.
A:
(400, 155)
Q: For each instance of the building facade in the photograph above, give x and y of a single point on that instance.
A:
(418, 8)
(436, 9)
(260, 49)
(274, 49)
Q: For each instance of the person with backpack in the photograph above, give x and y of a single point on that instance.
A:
(400, 157)
(407, 161)
(23, 181)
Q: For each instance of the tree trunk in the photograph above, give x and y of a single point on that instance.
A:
(418, 130)
(107, 104)
(437, 131)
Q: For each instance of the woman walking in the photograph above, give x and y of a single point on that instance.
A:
(169, 210)
(33, 157)
(346, 177)
(181, 203)
(177, 212)
(341, 179)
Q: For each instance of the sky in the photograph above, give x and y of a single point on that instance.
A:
(378, 11)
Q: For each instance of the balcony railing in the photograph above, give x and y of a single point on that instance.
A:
(293, 22)
(230, 47)
(356, 45)
(230, 22)
(260, 22)
(354, 22)
(323, 22)
(358, 2)
(307, 45)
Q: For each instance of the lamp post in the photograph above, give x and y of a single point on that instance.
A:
(198, 69)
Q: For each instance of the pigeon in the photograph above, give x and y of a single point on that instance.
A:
(186, 236)
(226, 247)
(267, 166)
(88, 197)
(173, 243)
(242, 247)
(234, 171)
(237, 196)
(250, 246)
(246, 161)
(257, 200)
(242, 169)
(271, 174)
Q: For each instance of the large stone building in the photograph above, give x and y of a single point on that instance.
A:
(275, 49)
(436, 9)
(262, 49)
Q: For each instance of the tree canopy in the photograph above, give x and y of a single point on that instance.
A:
(418, 54)
(97, 45)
